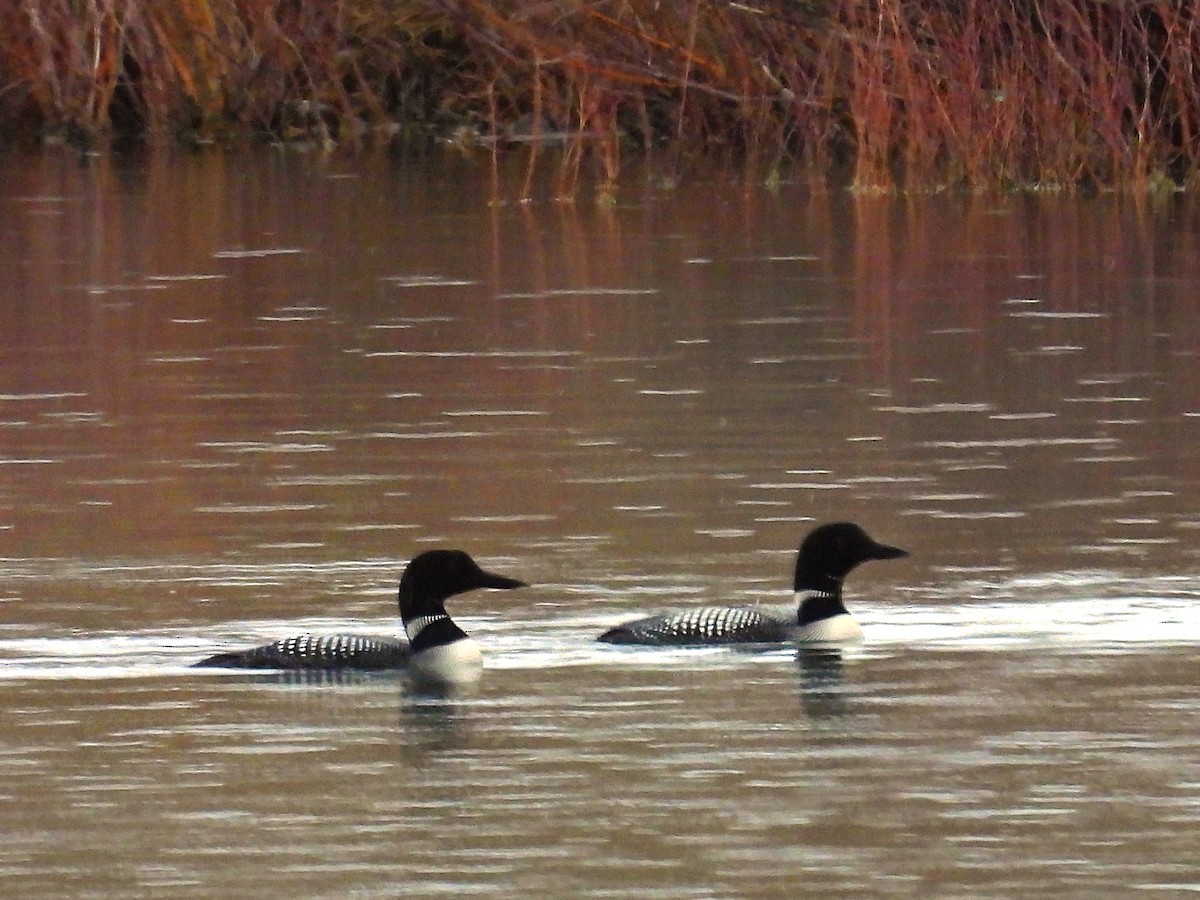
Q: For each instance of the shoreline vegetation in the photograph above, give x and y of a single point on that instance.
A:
(877, 95)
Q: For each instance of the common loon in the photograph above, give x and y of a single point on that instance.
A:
(827, 555)
(437, 650)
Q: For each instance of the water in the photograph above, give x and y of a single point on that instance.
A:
(237, 394)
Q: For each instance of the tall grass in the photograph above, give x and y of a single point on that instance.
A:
(919, 94)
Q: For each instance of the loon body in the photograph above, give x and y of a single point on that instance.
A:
(825, 557)
(437, 650)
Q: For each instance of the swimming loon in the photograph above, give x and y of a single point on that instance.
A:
(827, 555)
(437, 650)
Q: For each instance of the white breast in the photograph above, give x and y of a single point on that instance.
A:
(840, 629)
(459, 663)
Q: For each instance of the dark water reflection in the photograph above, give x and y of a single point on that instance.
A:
(236, 394)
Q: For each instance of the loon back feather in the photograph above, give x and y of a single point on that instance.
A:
(309, 651)
(705, 625)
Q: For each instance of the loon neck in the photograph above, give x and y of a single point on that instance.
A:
(434, 628)
(414, 627)
(813, 605)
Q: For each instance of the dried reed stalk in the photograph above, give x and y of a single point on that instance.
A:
(920, 94)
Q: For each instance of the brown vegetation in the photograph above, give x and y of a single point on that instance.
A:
(918, 93)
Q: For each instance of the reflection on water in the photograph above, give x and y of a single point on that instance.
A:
(237, 395)
(821, 682)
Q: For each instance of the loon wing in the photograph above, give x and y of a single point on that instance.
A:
(704, 625)
(307, 651)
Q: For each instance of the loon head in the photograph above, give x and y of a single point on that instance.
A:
(831, 551)
(434, 575)
(442, 653)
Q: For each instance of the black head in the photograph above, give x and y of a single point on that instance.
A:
(831, 551)
(434, 575)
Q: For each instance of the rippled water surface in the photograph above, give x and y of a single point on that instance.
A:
(236, 395)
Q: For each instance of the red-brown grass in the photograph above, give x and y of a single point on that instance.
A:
(919, 94)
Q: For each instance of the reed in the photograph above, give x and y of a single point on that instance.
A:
(885, 94)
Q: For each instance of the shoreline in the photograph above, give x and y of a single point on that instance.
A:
(886, 96)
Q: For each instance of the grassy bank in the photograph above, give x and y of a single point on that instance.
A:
(884, 94)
